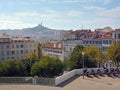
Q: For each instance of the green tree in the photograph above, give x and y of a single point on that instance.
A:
(76, 59)
(29, 61)
(20, 68)
(2, 69)
(114, 53)
(10, 68)
(39, 50)
(47, 67)
(88, 62)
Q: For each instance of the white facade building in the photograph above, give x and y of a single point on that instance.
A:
(53, 49)
(69, 46)
(116, 34)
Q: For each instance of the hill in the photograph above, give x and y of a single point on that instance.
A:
(39, 32)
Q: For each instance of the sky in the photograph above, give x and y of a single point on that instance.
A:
(60, 14)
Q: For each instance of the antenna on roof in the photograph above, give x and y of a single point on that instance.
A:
(82, 27)
(41, 23)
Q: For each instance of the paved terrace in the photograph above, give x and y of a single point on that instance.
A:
(78, 83)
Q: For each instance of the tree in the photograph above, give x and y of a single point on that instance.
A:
(76, 59)
(39, 50)
(20, 68)
(2, 69)
(32, 56)
(114, 53)
(10, 68)
(93, 55)
(78, 48)
(47, 67)
(29, 61)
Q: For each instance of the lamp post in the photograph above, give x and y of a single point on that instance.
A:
(83, 53)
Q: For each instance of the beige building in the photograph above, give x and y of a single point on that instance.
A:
(16, 47)
(53, 49)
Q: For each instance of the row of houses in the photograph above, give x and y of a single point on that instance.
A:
(101, 38)
(16, 47)
(19, 47)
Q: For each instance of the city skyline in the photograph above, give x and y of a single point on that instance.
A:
(64, 14)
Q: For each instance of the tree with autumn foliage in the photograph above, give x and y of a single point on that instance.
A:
(94, 53)
(91, 57)
(114, 53)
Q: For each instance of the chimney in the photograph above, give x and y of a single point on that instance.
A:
(54, 45)
(59, 45)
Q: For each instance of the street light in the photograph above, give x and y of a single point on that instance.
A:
(83, 53)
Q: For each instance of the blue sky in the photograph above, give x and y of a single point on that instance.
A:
(60, 14)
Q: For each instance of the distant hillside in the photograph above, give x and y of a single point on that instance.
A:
(38, 33)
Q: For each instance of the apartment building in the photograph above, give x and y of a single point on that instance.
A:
(101, 38)
(116, 34)
(16, 47)
(53, 49)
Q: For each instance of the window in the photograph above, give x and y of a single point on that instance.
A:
(103, 41)
(60, 52)
(70, 49)
(115, 36)
(21, 46)
(21, 51)
(12, 52)
(118, 36)
(90, 42)
(17, 46)
(64, 48)
(110, 42)
(106, 41)
(34, 50)
(12, 46)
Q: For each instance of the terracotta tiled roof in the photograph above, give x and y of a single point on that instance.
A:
(117, 31)
(4, 36)
(58, 45)
(97, 38)
(21, 39)
(107, 37)
(91, 33)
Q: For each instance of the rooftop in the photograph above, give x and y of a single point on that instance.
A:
(57, 45)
